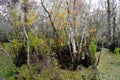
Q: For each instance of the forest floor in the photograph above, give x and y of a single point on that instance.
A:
(109, 66)
(108, 69)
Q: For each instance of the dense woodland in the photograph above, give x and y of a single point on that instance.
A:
(59, 39)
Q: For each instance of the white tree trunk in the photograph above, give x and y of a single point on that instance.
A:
(28, 47)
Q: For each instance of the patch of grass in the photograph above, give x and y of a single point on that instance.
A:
(108, 67)
(117, 50)
(8, 73)
(7, 46)
(7, 70)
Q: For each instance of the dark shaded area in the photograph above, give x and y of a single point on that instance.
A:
(21, 57)
(98, 48)
(113, 45)
(4, 41)
(66, 61)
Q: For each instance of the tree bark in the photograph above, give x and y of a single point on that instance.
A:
(108, 21)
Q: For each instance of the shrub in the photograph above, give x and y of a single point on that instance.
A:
(38, 43)
(117, 50)
(93, 46)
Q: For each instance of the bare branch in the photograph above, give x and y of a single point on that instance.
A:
(49, 15)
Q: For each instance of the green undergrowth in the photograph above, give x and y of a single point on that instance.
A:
(117, 52)
(8, 73)
(57, 74)
(108, 69)
(7, 69)
(109, 66)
